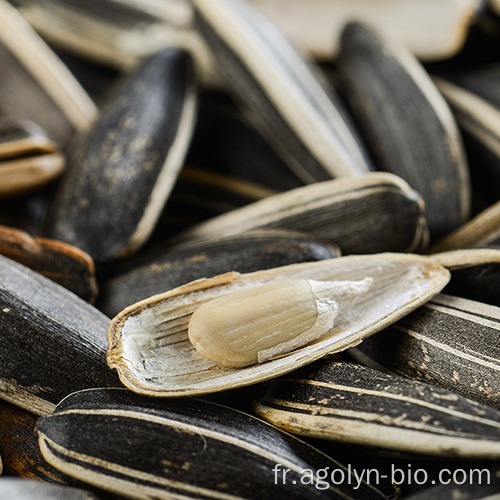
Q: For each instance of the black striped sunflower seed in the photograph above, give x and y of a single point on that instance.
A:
(174, 266)
(448, 342)
(351, 403)
(122, 172)
(183, 448)
(283, 95)
(28, 159)
(51, 341)
(61, 262)
(376, 212)
(475, 273)
(407, 124)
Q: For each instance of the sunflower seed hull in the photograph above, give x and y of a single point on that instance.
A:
(52, 342)
(377, 212)
(130, 427)
(407, 124)
(280, 91)
(352, 403)
(28, 159)
(149, 344)
(449, 342)
(123, 171)
(61, 262)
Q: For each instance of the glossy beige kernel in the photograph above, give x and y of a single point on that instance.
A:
(254, 325)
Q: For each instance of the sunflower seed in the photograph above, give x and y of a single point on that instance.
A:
(263, 322)
(407, 124)
(480, 120)
(352, 403)
(38, 87)
(52, 342)
(373, 213)
(475, 273)
(28, 159)
(280, 92)
(483, 230)
(123, 171)
(61, 262)
(150, 348)
(167, 269)
(180, 449)
(449, 342)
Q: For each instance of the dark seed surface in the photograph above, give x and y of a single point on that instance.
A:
(245, 60)
(122, 172)
(51, 342)
(373, 213)
(449, 342)
(407, 125)
(176, 266)
(350, 403)
(182, 447)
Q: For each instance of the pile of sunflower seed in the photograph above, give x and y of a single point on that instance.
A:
(276, 170)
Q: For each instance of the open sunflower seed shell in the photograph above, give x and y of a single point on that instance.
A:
(173, 267)
(150, 347)
(373, 213)
(51, 341)
(63, 263)
(38, 86)
(480, 121)
(449, 342)
(201, 450)
(356, 404)
(475, 273)
(123, 170)
(407, 124)
(280, 92)
(481, 230)
(26, 489)
(28, 159)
